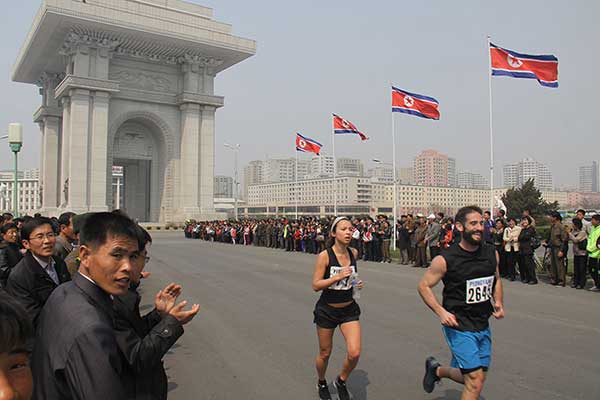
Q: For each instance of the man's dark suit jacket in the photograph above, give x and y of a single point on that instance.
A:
(144, 341)
(31, 285)
(76, 355)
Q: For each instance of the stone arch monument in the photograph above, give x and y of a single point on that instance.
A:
(128, 84)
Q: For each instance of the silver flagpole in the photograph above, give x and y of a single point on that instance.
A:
(334, 167)
(395, 198)
(491, 130)
(296, 185)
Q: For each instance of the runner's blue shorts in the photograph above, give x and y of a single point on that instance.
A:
(470, 350)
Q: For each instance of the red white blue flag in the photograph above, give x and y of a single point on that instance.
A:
(342, 126)
(506, 62)
(414, 104)
(307, 145)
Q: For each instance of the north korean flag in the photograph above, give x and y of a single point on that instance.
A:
(342, 126)
(506, 62)
(414, 104)
(307, 145)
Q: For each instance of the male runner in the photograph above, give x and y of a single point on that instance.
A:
(472, 293)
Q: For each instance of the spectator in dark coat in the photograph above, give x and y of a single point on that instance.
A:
(526, 264)
(145, 340)
(76, 355)
(66, 237)
(38, 274)
(10, 252)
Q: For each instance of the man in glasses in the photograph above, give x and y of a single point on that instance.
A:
(34, 278)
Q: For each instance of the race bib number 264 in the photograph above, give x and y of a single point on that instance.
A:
(480, 290)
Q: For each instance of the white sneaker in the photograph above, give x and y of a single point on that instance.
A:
(594, 289)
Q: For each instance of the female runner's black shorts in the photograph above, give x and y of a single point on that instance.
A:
(328, 317)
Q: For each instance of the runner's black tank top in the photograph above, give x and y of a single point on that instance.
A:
(469, 285)
(339, 292)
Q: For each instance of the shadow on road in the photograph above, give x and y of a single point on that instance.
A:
(453, 394)
(358, 382)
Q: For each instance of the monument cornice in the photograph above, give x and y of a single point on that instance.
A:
(45, 111)
(201, 99)
(75, 82)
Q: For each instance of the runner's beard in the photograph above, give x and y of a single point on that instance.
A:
(468, 236)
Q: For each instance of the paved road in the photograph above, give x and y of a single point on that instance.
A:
(254, 337)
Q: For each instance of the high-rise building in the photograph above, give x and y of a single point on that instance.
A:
(515, 175)
(432, 168)
(470, 180)
(588, 178)
(279, 170)
(303, 168)
(381, 174)
(223, 186)
(350, 167)
(321, 166)
(253, 175)
(406, 176)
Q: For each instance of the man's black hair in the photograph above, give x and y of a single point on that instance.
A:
(528, 218)
(6, 227)
(32, 224)
(502, 212)
(97, 227)
(581, 210)
(65, 218)
(15, 327)
(461, 215)
(577, 222)
(596, 217)
(487, 212)
(143, 237)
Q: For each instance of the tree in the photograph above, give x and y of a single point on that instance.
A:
(527, 197)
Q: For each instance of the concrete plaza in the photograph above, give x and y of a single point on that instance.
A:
(254, 337)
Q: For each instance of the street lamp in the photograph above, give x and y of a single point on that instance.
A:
(15, 141)
(235, 148)
(378, 161)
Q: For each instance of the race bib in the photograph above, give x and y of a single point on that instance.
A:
(479, 290)
(344, 284)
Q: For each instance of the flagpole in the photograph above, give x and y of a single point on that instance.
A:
(296, 184)
(334, 167)
(491, 129)
(395, 199)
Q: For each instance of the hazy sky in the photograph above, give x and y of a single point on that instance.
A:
(319, 57)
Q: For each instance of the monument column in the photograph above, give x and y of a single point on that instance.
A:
(65, 154)
(98, 151)
(190, 158)
(207, 162)
(48, 117)
(78, 171)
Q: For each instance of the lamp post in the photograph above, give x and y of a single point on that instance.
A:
(235, 148)
(377, 161)
(15, 141)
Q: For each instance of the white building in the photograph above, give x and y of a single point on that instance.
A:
(470, 180)
(381, 174)
(588, 178)
(223, 186)
(303, 167)
(253, 175)
(350, 167)
(29, 195)
(321, 166)
(515, 175)
(406, 175)
(279, 170)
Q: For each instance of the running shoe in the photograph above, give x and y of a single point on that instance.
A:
(340, 386)
(323, 391)
(430, 378)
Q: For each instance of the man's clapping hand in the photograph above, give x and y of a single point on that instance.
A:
(164, 301)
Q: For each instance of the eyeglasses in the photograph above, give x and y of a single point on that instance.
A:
(41, 236)
(146, 259)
